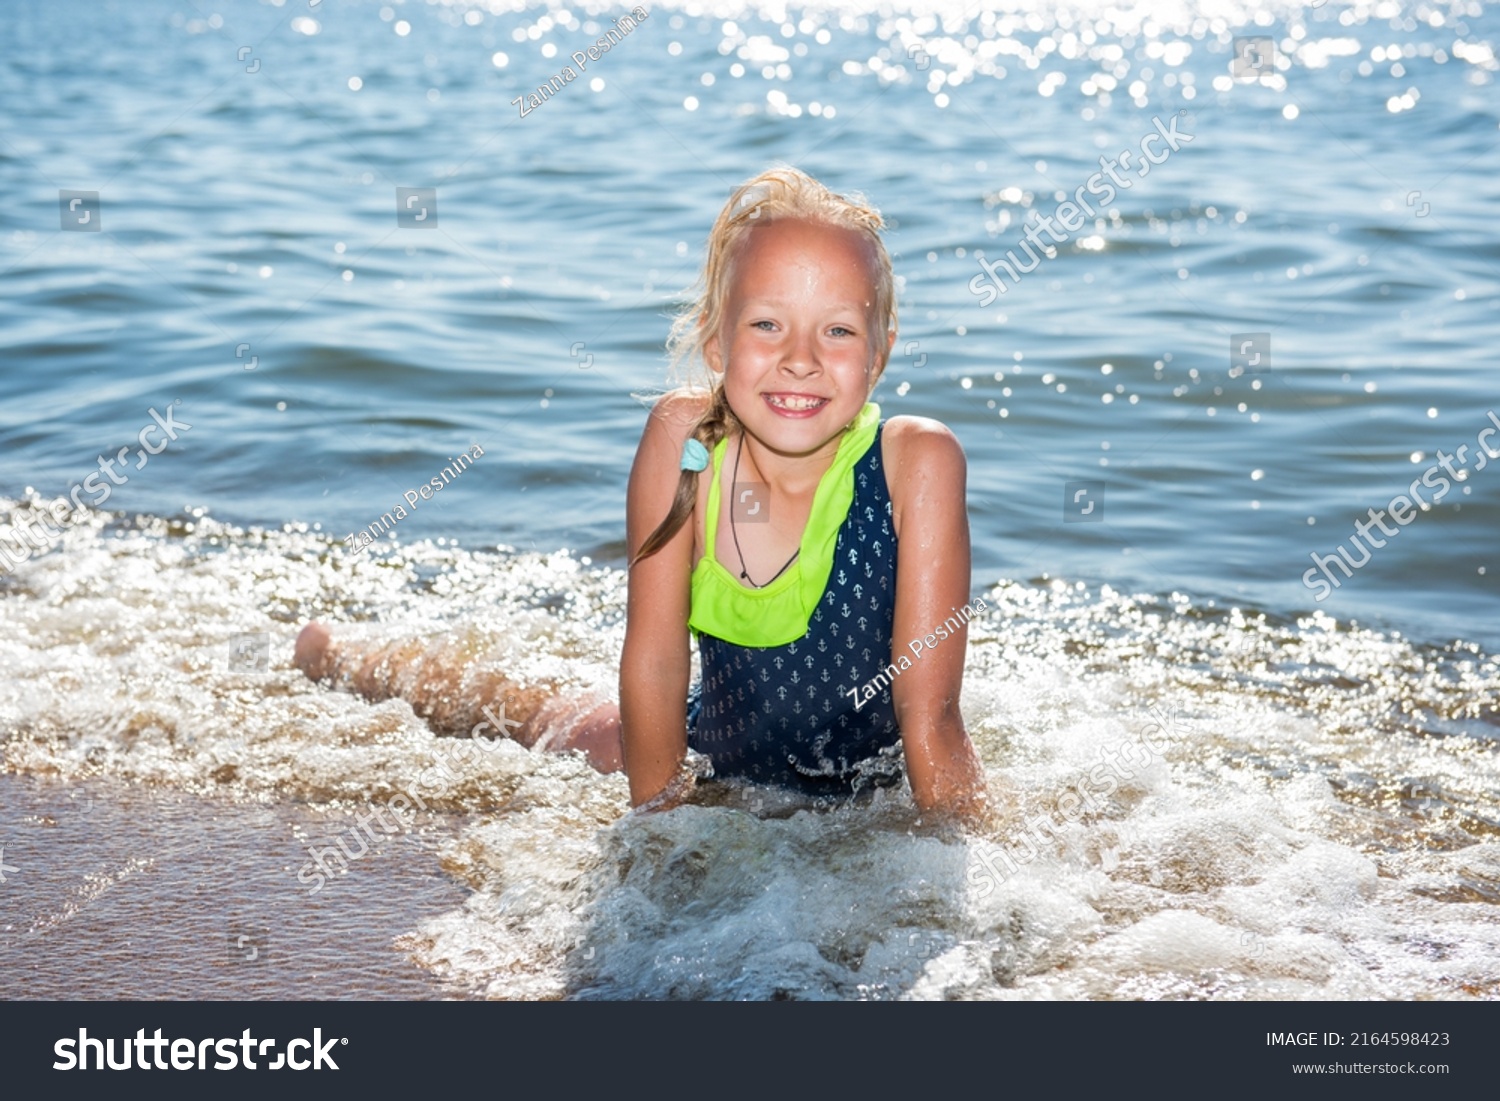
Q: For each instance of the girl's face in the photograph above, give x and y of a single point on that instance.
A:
(799, 337)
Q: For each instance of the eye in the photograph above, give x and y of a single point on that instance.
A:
(769, 325)
(842, 330)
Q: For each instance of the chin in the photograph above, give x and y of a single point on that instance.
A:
(797, 437)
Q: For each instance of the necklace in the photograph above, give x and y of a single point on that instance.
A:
(744, 572)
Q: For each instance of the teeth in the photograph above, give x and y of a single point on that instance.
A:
(796, 404)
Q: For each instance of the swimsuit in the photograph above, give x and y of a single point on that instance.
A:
(786, 713)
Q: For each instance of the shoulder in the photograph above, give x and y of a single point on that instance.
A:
(682, 406)
(672, 419)
(925, 466)
(920, 445)
(656, 476)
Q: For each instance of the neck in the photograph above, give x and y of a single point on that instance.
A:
(790, 475)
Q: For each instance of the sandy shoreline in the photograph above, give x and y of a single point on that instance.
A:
(132, 892)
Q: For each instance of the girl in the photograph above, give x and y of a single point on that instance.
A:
(764, 515)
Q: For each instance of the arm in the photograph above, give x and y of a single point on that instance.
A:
(655, 663)
(928, 474)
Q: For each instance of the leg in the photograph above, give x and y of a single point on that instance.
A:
(445, 688)
(597, 736)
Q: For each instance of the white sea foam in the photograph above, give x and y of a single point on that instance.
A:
(1315, 819)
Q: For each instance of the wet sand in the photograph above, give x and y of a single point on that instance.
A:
(134, 892)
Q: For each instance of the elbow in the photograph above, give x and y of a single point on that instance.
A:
(930, 718)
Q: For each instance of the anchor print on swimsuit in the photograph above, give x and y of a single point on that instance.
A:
(782, 714)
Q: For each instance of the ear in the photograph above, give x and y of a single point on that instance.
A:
(713, 354)
(883, 360)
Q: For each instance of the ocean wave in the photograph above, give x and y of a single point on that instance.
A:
(1296, 807)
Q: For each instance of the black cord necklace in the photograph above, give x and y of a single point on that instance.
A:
(744, 572)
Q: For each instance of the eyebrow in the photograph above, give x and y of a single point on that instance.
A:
(777, 303)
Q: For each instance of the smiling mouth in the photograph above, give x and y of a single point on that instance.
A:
(795, 403)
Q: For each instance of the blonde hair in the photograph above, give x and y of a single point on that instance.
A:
(779, 193)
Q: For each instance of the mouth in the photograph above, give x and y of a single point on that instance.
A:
(795, 405)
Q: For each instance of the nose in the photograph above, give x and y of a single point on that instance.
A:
(800, 354)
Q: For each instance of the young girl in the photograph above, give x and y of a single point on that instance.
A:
(766, 514)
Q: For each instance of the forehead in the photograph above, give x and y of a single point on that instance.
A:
(799, 252)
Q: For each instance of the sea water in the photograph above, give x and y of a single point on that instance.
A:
(1212, 777)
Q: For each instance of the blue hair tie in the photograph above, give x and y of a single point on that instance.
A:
(694, 455)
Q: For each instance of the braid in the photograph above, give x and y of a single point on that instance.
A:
(716, 423)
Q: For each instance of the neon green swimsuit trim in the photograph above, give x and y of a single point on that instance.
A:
(780, 612)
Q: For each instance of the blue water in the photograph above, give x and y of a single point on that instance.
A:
(258, 208)
(248, 265)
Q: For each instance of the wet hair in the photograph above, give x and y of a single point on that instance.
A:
(779, 193)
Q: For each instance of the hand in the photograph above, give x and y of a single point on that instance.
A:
(673, 795)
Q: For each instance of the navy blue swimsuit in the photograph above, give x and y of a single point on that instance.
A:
(787, 715)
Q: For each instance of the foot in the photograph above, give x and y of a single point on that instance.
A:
(312, 651)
